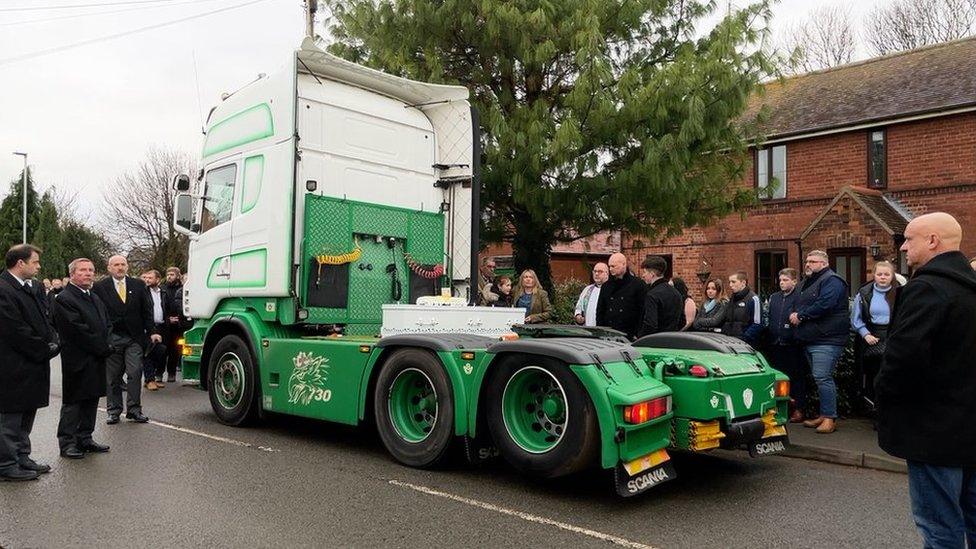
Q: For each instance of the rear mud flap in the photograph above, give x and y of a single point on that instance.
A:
(629, 486)
(769, 446)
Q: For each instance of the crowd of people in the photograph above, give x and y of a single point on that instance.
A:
(114, 334)
(915, 341)
(802, 329)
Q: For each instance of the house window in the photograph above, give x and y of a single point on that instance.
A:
(849, 263)
(877, 160)
(771, 172)
(768, 265)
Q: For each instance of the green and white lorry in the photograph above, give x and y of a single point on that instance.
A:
(333, 237)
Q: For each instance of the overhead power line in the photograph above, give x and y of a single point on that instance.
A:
(91, 5)
(108, 12)
(39, 53)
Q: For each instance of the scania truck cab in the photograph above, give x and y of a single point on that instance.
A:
(333, 238)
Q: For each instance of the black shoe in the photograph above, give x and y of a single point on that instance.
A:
(31, 465)
(16, 474)
(112, 419)
(92, 447)
(137, 417)
(72, 452)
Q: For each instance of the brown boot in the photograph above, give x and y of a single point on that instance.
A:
(815, 422)
(827, 426)
(797, 416)
(151, 386)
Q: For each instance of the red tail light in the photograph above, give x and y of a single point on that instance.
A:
(647, 410)
(782, 388)
(698, 371)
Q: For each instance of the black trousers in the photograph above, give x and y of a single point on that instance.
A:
(154, 361)
(789, 359)
(172, 351)
(15, 430)
(77, 422)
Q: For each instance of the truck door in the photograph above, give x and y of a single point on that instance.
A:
(210, 270)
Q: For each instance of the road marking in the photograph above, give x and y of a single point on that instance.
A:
(207, 435)
(524, 516)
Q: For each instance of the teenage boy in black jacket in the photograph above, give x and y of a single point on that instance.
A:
(926, 388)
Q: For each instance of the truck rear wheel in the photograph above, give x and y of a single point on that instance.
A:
(540, 417)
(232, 383)
(414, 408)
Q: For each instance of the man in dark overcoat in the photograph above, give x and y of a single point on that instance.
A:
(926, 388)
(27, 344)
(82, 321)
(130, 312)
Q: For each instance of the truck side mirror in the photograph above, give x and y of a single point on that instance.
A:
(183, 213)
(181, 182)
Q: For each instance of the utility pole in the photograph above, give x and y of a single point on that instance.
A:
(311, 6)
(24, 178)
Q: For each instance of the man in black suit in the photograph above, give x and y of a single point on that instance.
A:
(130, 313)
(27, 344)
(82, 321)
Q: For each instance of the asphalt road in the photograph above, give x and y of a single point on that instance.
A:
(186, 480)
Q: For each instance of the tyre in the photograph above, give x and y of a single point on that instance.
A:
(540, 417)
(414, 408)
(233, 382)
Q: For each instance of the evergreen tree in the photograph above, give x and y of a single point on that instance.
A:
(80, 241)
(11, 213)
(49, 237)
(595, 114)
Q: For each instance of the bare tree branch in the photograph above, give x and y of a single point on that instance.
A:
(138, 210)
(826, 39)
(909, 24)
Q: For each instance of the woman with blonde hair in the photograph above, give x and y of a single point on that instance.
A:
(530, 296)
(873, 306)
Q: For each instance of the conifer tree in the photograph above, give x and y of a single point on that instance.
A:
(11, 212)
(49, 237)
(595, 114)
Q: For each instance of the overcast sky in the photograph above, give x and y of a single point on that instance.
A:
(87, 113)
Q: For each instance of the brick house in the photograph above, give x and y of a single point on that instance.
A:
(850, 155)
(569, 259)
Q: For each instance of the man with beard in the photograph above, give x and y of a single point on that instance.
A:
(621, 303)
(176, 323)
(27, 344)
(82, 321)
(822, 327)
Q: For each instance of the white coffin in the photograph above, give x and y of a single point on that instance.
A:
(438, 319)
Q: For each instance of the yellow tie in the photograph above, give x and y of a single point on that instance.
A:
(121, 289)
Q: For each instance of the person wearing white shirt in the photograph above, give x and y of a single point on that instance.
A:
(154, 362)
(590, 296)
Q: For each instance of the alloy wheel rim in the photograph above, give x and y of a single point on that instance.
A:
(534, 409)
(228, 381)
(412, 404)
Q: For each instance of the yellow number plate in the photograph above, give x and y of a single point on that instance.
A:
(646, 462)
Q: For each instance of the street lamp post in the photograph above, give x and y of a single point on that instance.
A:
(24, 177)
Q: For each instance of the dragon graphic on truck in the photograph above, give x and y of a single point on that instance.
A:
(307, 381)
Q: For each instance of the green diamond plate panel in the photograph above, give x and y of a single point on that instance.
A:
(330, 226)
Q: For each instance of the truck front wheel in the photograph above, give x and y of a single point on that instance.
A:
(414, 408)
(540, 417)
(232, 383)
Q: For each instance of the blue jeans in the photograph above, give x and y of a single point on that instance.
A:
(823, 362)
(943, 504)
